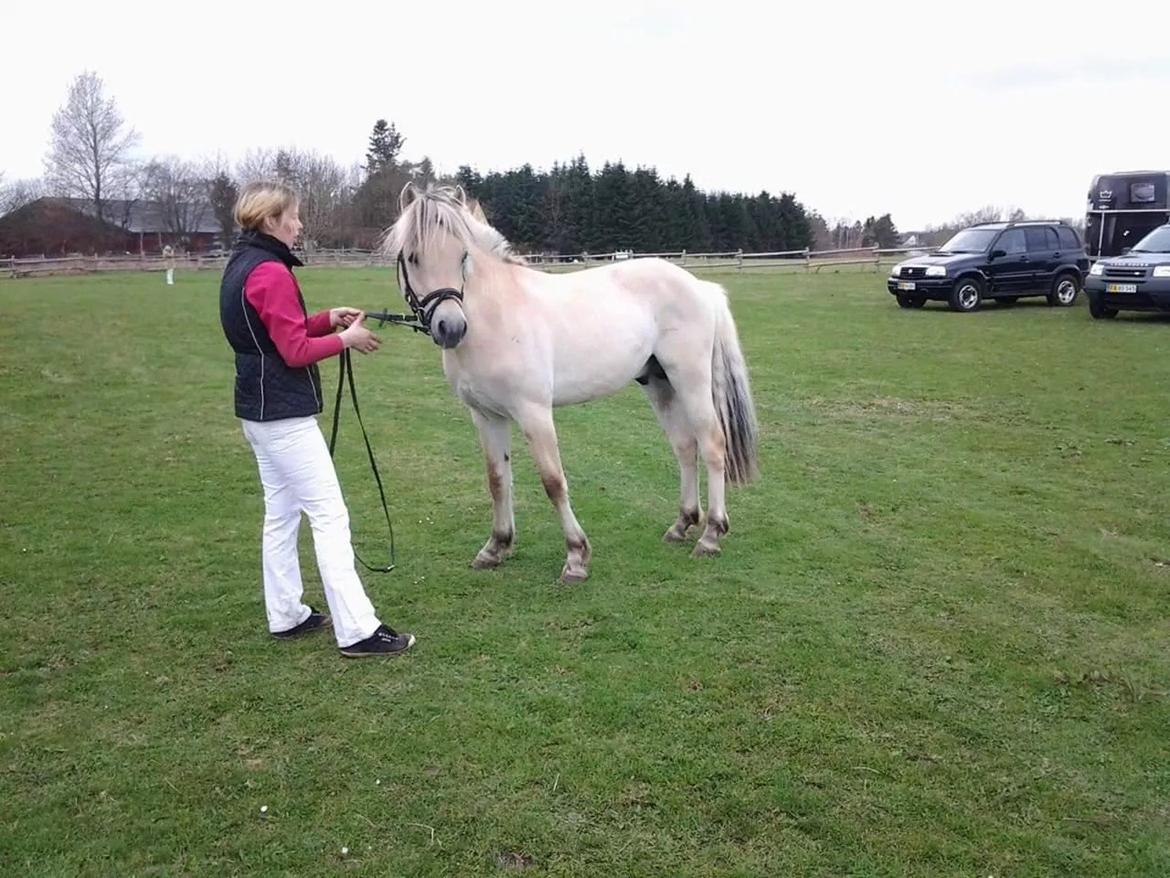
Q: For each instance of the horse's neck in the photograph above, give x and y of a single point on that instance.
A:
(501, 288)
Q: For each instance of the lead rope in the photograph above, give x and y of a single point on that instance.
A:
(345, 373)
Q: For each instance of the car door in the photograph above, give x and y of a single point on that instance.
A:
(1072, 251)
(1043, 257)
(1009, 270)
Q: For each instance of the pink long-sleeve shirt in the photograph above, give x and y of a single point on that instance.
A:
(272, 290)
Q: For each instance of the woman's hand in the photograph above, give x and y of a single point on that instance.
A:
(343, 316)
(357, 336)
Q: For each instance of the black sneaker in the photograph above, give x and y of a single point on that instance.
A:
(313, 623)
(385, 641)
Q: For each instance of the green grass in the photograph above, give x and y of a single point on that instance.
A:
(937, 643)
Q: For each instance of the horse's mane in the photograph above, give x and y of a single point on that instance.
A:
(425, 214)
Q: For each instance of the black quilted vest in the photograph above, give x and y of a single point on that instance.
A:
(266, 388)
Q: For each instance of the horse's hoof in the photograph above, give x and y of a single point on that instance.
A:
(484, 561)
(574, 575)
(705, 549)
(674, 536)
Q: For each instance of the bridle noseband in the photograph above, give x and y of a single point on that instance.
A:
(424, 308)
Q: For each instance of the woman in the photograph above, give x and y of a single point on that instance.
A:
(278, 395)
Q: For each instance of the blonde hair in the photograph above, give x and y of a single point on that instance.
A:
(261, 201)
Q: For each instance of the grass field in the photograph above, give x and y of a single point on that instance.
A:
(937, 642)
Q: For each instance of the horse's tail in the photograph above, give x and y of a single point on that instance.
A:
(732, 396)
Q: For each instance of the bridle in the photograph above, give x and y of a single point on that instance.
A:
(422, 310)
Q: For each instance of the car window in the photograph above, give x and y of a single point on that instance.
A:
(970, 241)
(1053, 241)
(1068, 239)
(1037, 239)
(1157, 241)
(1013, 241)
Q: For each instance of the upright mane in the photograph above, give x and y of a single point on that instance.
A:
(424, 215)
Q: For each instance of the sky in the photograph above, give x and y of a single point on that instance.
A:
(921, 110)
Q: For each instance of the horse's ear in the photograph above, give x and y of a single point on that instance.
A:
(461, 194)
(409, 194)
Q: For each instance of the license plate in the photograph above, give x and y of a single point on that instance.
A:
(905, 285)
(1121, 288)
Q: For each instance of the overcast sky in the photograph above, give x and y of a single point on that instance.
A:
(920, 109)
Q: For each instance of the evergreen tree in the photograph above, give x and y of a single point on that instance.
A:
(579, 204)
(222, 193)
(880, 232)
(385, 145)
(471, 181)
(648, 232)
(613, 209)
(570, 210)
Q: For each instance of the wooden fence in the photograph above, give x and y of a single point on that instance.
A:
(811, 261)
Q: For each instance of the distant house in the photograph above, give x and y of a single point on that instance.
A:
(60, 226)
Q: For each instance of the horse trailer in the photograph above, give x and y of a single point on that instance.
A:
(1123, 208)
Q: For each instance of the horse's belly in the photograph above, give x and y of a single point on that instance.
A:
(596, 373)
(571, 392)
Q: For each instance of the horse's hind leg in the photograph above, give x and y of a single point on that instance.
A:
(692, 386)
(495, 435)
(539, 430)
(678, 431)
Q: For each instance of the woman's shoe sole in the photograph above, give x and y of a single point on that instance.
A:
(378, 654)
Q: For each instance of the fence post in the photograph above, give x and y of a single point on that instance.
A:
(739, 259)
(877, 259)
(807, 260)
(684, 257)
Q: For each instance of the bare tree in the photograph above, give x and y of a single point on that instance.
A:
(325, 188)
(936, 235)
(124, 189)
(18, 193)
(89, 143)
(257, 164)
(179, 191)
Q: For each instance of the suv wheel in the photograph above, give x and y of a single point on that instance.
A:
(1099, 310)
(1064, 290)
(967, 294)
(905, 301)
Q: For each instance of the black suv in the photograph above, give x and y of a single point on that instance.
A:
(1138, 280)
(1001, 261)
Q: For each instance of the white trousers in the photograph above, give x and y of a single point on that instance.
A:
(170, 277)
(298, 476)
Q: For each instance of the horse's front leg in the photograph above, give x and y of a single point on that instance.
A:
(539, 430)
(495, 435)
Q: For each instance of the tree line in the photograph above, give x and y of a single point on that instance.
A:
(571, 208)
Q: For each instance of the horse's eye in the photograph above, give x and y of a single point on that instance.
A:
(412, 259)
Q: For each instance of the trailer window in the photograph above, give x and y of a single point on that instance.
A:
(1142, 193)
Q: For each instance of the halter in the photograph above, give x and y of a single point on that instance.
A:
(424, 308)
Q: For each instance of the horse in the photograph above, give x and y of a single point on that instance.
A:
(517, 342)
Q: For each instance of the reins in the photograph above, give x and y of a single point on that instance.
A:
(418, 321)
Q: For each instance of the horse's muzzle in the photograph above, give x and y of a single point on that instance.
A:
(449, 331)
